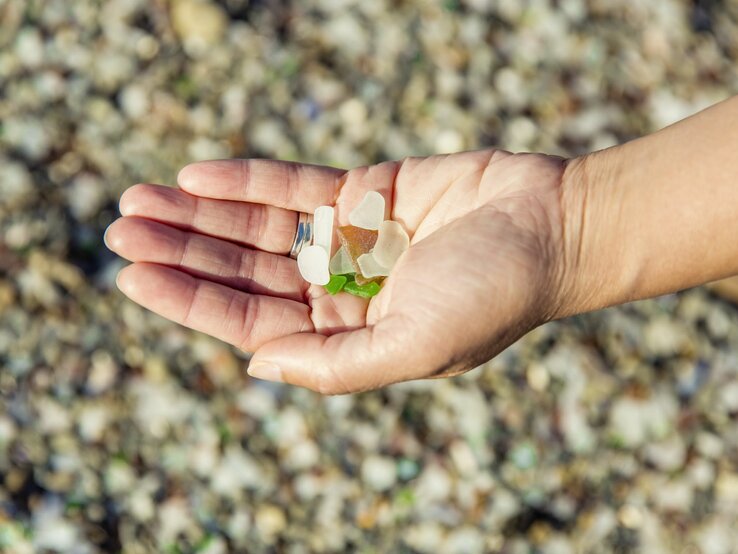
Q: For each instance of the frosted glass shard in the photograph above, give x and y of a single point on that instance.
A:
(391, 243)
(370, 213)
(370, 267)
(341, 263)
(312, 261)
(323, 228)
(356, 241)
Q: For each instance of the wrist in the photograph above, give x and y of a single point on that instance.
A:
(599, 267)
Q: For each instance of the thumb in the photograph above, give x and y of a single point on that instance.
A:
(352, 361)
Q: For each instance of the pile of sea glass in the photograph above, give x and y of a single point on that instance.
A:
(369, 248)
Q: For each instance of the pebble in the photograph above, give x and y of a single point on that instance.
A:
(466, 540)
(199, 24)
(709, 445)
(103, 373)
(16, 184)
(379, 473)
(674, 496)
(424, 537)
(85, 196)
(663, 336)
(270, 521)
(634, 421)
(667, 455)
(715, 537)
(92, 422)
(134, 99)
(29, 47)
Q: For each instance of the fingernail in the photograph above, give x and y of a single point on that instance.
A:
(266, 371)
(105, 238)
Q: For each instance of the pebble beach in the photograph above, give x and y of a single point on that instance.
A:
(610, 432)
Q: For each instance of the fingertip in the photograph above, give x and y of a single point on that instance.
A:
(130, 200)
(265, 371)
(196, 176)
(112, 237)
(123, 280)
(188, 176)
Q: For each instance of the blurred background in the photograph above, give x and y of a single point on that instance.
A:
(120, 432)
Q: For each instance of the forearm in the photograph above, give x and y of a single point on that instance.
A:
(655, 215)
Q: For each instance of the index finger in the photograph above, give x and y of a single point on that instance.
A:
(290, 185)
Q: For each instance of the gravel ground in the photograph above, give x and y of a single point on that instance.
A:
(120, 432)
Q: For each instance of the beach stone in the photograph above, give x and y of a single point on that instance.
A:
(85, 196)
(424, 537)
(716, 536)
(674, 496)
(709, 445)
(662, 336)
(134, 99)
(729, 397)
(702, 474)
(198, 23)
(29, 47)
(270, 521)
(434, 484)
(667, 455)
(92, 422)
(466, 540)
(634, 421)
(379, 472)
(16, 184)
(239, 524)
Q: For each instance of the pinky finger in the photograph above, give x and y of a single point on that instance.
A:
(244, 320)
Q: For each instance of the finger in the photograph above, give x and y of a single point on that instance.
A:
(255, 225)
(289, 185)
(353, 361)
(142, 240)
(241, 319)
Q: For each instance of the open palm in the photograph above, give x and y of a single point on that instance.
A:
(483, 268)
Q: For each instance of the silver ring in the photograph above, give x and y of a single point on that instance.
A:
(303, 234)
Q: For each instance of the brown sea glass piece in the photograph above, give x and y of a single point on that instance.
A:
(357, 241)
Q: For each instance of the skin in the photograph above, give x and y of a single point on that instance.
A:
(500, 243)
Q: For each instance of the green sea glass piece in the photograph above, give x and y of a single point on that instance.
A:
(365, 291)
(336, 284)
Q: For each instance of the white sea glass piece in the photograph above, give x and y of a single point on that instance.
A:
(370, 213)
(312, 261)
(323, 228)
(340, 263)
(370, 267)
(392, 241)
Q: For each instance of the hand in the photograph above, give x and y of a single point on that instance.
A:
(484, 267)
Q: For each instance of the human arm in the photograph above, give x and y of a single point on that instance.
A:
(501, 243)
(654, 215)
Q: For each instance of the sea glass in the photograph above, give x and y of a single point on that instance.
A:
(336, 284)
(370, 267)
(323, 228)
(356, 241)
(392, 241)
(312, 261)
(340, 263)
(369, 214)
(365, 291)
